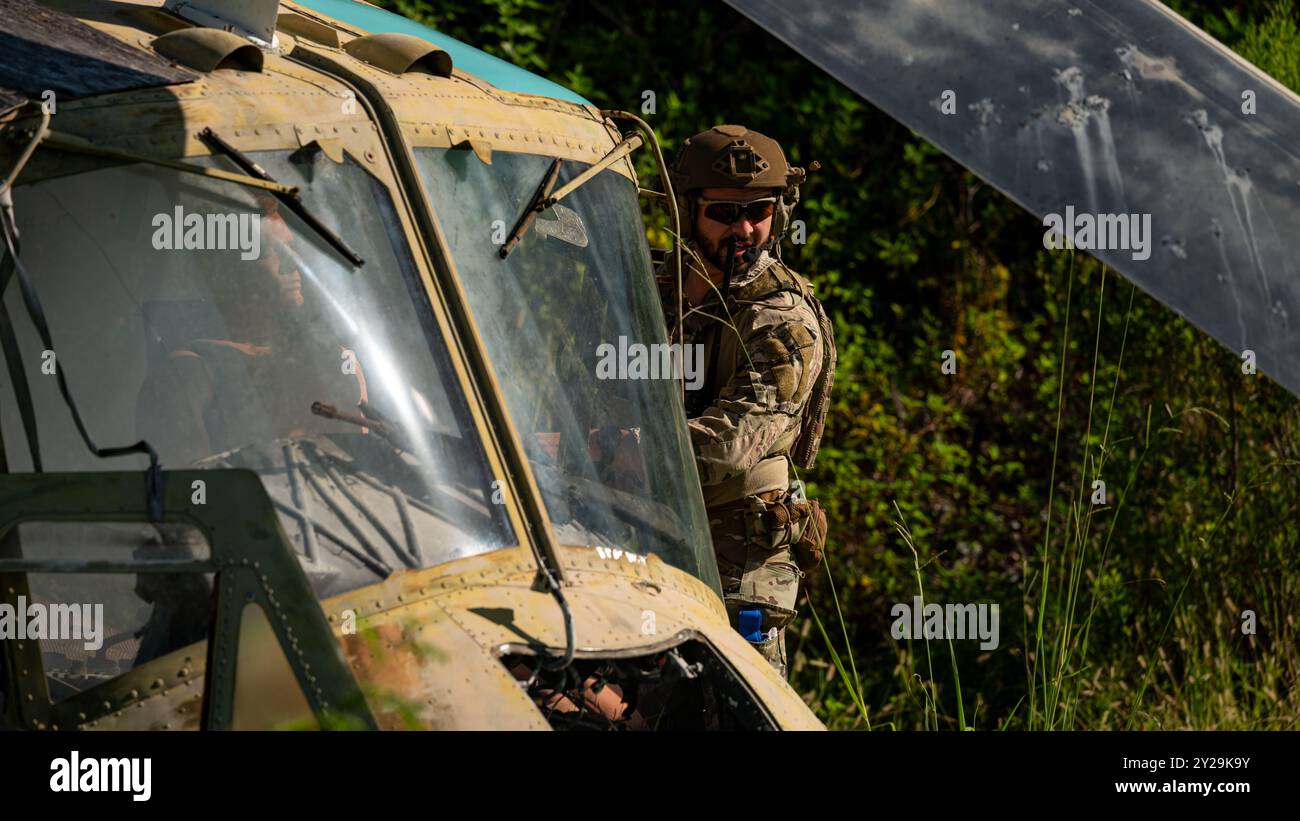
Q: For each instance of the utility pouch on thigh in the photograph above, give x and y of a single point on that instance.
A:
(759, 568)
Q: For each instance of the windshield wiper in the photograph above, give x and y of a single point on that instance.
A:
(254, 177)
(543, 198)
(617, 153)
(289, 198)
(534, 208)
(70, 142)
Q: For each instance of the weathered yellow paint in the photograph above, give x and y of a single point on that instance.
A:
(476, 608)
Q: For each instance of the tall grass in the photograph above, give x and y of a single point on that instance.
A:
(1185, 663)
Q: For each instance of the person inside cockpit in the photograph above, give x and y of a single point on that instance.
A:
(253, 373)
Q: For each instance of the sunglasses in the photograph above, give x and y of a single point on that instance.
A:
(728, 212)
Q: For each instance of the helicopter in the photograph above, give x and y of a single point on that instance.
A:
(302, 307)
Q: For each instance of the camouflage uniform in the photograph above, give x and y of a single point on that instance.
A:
(743, 424)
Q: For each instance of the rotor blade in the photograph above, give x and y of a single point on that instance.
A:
(1110, 107)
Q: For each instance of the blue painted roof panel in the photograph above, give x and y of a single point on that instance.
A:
(494, 70)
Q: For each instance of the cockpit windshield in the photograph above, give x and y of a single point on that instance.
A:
(572, 324)
(203, 316)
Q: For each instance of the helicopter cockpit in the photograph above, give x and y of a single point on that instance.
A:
(280, 267)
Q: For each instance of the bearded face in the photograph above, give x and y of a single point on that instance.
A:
(715, 250)
(720, 218)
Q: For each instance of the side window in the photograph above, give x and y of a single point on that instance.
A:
(113, 623)
(92, 627)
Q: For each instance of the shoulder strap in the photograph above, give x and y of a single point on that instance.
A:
(778, 278)
(813, 418)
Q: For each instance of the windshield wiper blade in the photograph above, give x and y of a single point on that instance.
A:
(543, 198)
(291, 200)
(535, 207)
(70, 142)
(254, 177)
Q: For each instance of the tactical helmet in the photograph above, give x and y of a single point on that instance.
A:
(733, 156)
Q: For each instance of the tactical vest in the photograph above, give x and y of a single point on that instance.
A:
(777, 278)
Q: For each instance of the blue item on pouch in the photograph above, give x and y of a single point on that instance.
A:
(750, 625)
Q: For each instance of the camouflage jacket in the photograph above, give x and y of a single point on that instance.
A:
(759, 375)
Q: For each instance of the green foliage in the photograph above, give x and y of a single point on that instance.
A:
(1126, 614)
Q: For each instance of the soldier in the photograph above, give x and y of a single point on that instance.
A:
(769, 359)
